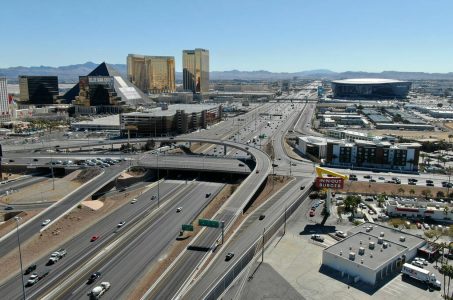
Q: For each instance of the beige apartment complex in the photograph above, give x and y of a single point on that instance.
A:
(196, 70)
(152, 74)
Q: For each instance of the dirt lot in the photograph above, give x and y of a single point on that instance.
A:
(449, 125)
(388, 188)
(413, 134)
(58, 233)
(11, 224)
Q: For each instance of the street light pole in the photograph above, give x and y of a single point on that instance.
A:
(158, 179)
(20, 257)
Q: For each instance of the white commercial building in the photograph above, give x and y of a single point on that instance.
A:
(312, 146)
(437, 211)
(371, 253)
(351, 136)
(4, 103)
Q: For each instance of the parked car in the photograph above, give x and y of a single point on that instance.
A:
(340, 234)
(317, 237)
(8, 208)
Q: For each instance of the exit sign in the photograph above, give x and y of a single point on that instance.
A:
(209, 223)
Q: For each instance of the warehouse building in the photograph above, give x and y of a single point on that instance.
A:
(371, 253)
(169, 120)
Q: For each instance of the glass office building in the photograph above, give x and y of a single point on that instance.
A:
(196, 70)
(152, 74)
(38, 89)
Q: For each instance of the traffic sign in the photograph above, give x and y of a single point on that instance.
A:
(329, 182)
(187, 227)
(209, 223)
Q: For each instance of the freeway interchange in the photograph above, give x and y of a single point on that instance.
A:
(125, 254)
(133, 239)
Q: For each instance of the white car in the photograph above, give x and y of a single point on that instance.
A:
(45, 222)
(422, 261)
(120, 224)
(33, 279)
(417, 263)
(179, 209)
(134, 200)
(340, 234)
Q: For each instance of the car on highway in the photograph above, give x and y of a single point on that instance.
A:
(30, 269)
(153, 197)
(8, 208)
(45, 222)
(317, 237)
(381, 178)
(11, 160)
(261, 217)
(229, 256)
(120, 224)
(94, 238)
(429, 181)
(35, 159)
(179, 209)
(367, 176)
(134, 200)
(32, 279)
(430, 184)
(372, 180)
(93, 277)
(208, 195)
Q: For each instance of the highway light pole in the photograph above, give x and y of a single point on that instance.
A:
(262, 249)
(158, 179)
(20, 256)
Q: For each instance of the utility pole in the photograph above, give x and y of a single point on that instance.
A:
(20, 256)
(222, 223)
(284, 225)
(51, 168)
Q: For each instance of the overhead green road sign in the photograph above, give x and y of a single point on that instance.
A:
(187, 227)
(209, 223)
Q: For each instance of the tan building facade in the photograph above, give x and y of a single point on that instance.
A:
(152, 74)
(196, 70)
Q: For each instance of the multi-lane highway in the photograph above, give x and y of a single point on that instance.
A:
(79, 248)
(33, 226)
(127, 266)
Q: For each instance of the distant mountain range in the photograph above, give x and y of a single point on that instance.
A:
(70, 74)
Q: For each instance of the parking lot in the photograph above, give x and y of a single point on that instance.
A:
(295, 261)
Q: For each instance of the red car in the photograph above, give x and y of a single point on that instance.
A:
(312, 213)
(94, 237)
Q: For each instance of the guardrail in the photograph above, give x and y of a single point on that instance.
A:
(214, 292)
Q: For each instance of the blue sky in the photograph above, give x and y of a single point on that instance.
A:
(279, 36)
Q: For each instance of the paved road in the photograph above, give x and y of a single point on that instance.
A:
(80, 246)
(249, 233)
(139, 253)
(32, 227)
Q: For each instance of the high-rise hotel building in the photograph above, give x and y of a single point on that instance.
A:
(4, 107)
(152, 74)
(196, 70)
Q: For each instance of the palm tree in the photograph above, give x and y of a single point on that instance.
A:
(412, 192)
(351, 203)
(380, 199)
(444, 270)
(401, 191)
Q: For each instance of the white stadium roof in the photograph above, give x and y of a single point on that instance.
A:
(366, 81)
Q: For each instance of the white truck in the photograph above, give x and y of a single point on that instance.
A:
(56, 256)
(99, 290)
(421, 274)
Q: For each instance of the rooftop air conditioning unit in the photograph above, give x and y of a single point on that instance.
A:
(371, 245)
(351, 255)
(361, 251)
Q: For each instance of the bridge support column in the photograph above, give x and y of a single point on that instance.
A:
(224, 150)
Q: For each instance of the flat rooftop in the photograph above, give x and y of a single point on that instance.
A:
(391, 234)
(372, 258)
(171, 111)
(113, 120)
